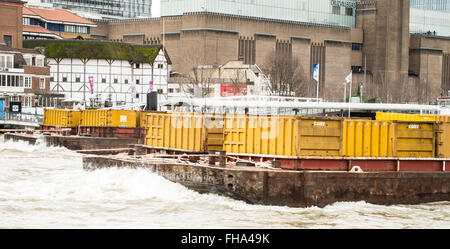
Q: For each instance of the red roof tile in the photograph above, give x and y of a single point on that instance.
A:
(37, 29)
(56, 15)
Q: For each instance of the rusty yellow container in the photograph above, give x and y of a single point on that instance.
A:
(142, 118)
(184, 131)
(443, 140)
(404, 117)
(320, 136)
(443, 118)
(414, 139)
(61, 118)
(269, 135)
(109, 118)
(368, 138)
(282, 135)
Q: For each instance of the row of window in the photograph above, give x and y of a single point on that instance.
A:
(34, 61)
(56, 27)
(337, 11)
(8, 61)
(103, 80)
(75, 29)
(9, 80)
(27, 101)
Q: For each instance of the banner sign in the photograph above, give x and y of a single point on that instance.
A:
(91, 82)
(316, 72)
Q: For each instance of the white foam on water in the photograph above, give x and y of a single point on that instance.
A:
(46, 187)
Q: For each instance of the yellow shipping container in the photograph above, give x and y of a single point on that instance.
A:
(443, 118)
(443, 140)
(184, 131)
(414, 139)
(404, 117)
(62, 118)
(320, 136)
(368, 138)
(282, 135)
(274, 135)
(364, 138)
(142, 118)
(109, 118)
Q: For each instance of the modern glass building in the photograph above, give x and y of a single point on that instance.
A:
(330, 12)
(108, 9)
(430, 16)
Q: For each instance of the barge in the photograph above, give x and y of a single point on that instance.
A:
(310, 161)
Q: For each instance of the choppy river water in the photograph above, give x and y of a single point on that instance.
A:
(46, 187)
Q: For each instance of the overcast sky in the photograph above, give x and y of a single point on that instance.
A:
(156, 8)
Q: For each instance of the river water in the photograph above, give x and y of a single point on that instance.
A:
(46, 187)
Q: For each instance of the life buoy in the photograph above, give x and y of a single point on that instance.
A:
(356, 169)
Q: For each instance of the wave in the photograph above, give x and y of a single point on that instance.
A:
(11, 146)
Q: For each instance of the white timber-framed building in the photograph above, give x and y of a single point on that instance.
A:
(117, 73)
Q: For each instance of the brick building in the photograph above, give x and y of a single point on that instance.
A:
(401, 66)
(25, 78)
(11, 23)
(45, 22)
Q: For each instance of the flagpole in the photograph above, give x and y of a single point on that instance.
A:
(350, 97)
(345, 91)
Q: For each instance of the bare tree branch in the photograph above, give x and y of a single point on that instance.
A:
(287, 77)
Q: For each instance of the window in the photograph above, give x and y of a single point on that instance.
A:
(13, 80)
(42, 83)
(3, 80)
(69, 29)
(52, 79)
(348, 11)
(27, 83)
(39, 62)
(137, 65)
(137, 82)
(9, 62)
(103, 80)
(170, 90)
(26, 21)
(126, 81)
(336, 10)
(64, 79)
(28, 60)
(357, 46)
(357, 69)
(7, 39)
(116, 81)
(27, 101)
(77, 79)
(160, 66)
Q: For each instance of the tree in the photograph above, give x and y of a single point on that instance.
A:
(286, 76)
(196, 78)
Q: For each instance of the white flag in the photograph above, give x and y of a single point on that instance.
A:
(316, 72)
(349, 78)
